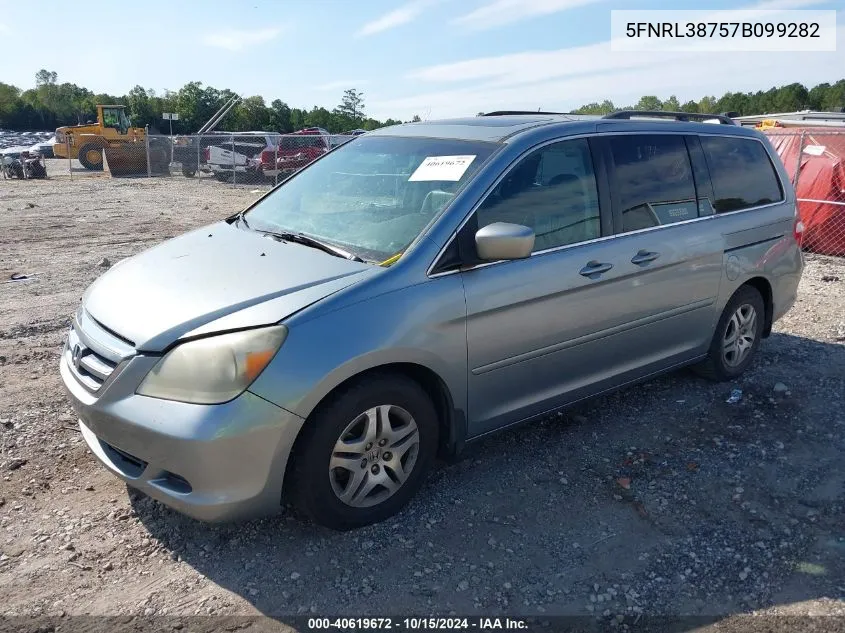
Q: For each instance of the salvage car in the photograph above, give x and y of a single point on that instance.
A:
(419, 288)
(292, 152)
(238, 156)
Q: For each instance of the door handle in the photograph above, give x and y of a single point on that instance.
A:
(595, 268)
(644, 257)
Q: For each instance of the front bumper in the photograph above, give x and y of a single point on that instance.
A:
(211, 462)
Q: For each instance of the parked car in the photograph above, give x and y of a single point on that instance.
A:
(14, 152)
(44, 148)
(190, 151)
(238, 156)
(419, 288)
(291, 152)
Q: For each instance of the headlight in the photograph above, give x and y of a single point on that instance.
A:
(214, 369)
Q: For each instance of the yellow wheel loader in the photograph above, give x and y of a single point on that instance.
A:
(111, 139)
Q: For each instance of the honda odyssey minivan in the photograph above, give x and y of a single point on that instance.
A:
(419, 287)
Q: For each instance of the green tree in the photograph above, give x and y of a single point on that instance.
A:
(351, 105)
(140, 107)
(649, 102)
(605, 107)
(280, 114)
(671, 104)
(707, 105)
(834, 97)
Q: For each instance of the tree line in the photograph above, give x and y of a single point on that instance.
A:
(51, 104)
(824, 97)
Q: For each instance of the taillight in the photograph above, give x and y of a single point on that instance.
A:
(798, 230)
(798, 226)
(206, 154)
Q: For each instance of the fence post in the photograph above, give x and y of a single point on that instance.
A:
(69, 159)
(276, 161)
(147, 150)
(199, 155)
(234, 171)
(797, 173)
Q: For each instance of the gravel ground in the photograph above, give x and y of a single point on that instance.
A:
(663, 499)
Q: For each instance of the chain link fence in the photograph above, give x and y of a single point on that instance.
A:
(815, 160)
(239, 159)
(246, 159)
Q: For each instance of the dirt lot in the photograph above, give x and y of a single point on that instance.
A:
(663, 499)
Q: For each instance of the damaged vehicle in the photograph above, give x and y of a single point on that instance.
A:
(22, 164)
(420, 287)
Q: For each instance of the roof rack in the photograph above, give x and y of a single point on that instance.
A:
(678, 116)
(518, 112)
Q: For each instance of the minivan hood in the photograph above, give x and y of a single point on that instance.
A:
(215, 278)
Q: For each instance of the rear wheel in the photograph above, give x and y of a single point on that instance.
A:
(91, 157)
(364, 453)
(189, 171)
(737, 336)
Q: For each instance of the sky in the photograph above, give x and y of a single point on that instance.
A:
(432, 58)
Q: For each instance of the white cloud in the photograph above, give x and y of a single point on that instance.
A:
(564, 79)
(398, 17)
(343, 84)
(235, 40)
(502, 12)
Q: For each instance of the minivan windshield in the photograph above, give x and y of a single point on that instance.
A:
(373, 195)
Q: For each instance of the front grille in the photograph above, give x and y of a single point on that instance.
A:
(89, 367)
(92, 352)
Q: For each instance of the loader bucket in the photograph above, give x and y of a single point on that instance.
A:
(130, 159)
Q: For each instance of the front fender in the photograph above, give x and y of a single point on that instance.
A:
(422, 324)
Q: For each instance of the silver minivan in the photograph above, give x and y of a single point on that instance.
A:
(422, 286)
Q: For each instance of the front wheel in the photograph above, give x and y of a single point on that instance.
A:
(364, 453)
(737, 336)
(91, 157)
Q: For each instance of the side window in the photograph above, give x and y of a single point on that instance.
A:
(742, 173)
(652, 179)
(553, 191)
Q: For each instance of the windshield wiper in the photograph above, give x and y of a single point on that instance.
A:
(307, 240)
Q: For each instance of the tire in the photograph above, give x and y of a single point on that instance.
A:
(37, 170)
(351, 495)
(87, 156)
(159, 157)
(722, 365)
(189, 171)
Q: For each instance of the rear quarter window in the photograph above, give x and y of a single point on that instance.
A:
(653, 180)
(742, 173)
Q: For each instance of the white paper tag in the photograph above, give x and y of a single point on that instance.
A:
(449, 168)
(814, 150)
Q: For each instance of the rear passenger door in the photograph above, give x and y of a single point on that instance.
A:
(667, 250)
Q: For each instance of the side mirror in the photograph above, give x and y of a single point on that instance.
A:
(502, 240)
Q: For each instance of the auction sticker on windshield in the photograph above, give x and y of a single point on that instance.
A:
(442, 168)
